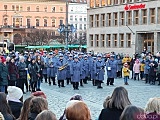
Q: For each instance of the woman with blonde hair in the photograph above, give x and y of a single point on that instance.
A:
(152, 109)
(46, 115)
(115, 104)
(78, 111)
(37, 105)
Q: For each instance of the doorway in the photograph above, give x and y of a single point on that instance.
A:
(149, 42)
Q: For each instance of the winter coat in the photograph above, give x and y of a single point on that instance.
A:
(76, 71)
(86, 67)
(13, 71)
(92, 69)
(61, 74)
(126, 60)
(44, 68)
(125, 71)
(15, 108)
(120, 65)
(110, 114)
(51, 67)
(3, 74)
(68, 75)
(146, 67)
(83, 68)
(33, 70)
(99, 70)
(152, 70)
(22, 72)
(136, 68)
(113, 65)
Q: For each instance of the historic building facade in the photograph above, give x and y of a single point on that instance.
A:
(18, 17)
(123, 26)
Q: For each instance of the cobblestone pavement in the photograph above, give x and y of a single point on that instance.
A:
(139, 93)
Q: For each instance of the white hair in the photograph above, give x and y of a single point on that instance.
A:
(21, 58)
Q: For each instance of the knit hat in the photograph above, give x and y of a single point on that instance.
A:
(39, 94)
(14, 93)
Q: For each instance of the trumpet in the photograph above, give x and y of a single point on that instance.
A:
(63, 67)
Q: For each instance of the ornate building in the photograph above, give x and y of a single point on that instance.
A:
(19, 17)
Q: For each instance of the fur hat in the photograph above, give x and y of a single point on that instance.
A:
(14, 93)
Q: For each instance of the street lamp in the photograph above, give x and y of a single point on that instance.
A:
(66, 29)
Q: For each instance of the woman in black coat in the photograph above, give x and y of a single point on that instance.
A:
(13, 73)
(115, 104)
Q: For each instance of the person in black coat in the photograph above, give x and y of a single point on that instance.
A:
(115, 104)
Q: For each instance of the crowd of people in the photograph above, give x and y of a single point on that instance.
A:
(115, 107)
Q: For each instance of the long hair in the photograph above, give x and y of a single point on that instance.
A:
(132, 113)
(153, 105)
(119, 98)
(46, 115)
(25, 109)
(38, 104)
(78, 111)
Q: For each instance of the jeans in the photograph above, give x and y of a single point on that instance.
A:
(2, 88)
(125, 79)
(38, 83)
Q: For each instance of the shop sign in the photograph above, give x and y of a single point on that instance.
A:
(135, 7)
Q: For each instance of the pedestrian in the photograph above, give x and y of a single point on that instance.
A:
(111, 67)
(22, 68)
(46, 115)
(136, 69)
(132, 113)
(126, 73)
(33, 70)
(44, 71)
(119, 66)
(99, 71)
(61, 72)
(5, 108)
(68, 75)
(86, 69)
(115, 104)
(15, 98)
(158, 72)
(76, 72)
(142, 64)
(146, 69)
(93, 75)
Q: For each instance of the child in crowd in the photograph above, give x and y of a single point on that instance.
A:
(136, 69)
(126, 73)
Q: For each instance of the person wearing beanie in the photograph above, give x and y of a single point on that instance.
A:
(14, 97)
(39, 94)
(3, 75)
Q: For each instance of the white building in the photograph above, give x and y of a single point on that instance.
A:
(77, 15)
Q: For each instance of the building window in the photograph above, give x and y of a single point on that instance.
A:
(21, 8)
(129, 40)
(103, 2)
(80, 18)
(129, 1)
(60, 22)
(103, 20)
(5, 21)
(91, 19)
(28, 23)
(122, 40)
(37, 22)
(97, 3)
(53, 22)
(122, 1)
(109, 40)
(17, 7)
(85, 19)
(136, 17)
(122, 18)
(45, 9)
(53, 9)
(115, 40)
(91, 38)
(109, 2)
(5, 7)
(129, 17)
(80, 26)
(61, 9)
(13, 7)
(109, 19)
(28, 9)
(85, 27)
(37, 8)
(45, 22)
(91, 3)
(158, 15)
(97, 20)
(144, 16)
(103, 40)
(75, 18)
(115, 19)
(71, 17)
(152, 15)
(97, 40)
(76, 26)
(17, 22)
(116, 2)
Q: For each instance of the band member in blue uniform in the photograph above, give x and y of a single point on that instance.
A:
(86, 69)
(68, 75)
(61, 70)
(93, 76)
(81, 60)
(99, 71)
(76, 72)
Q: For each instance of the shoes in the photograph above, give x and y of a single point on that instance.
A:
(112, 84)
(62, 86)
(39, 89)
(54, 84)
(99, 87)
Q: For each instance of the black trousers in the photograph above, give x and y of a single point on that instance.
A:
(75, 85)
(34, 86)
(152, 79)
(81, 82)
(110, 81)
(158, 75)
(53, 79)
(11, 83)
(68, 80)
(26, 84)
(146, 78)
(45, 77)
(20, 84)
(61, 83)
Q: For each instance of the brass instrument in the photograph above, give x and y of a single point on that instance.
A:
(63, 67)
